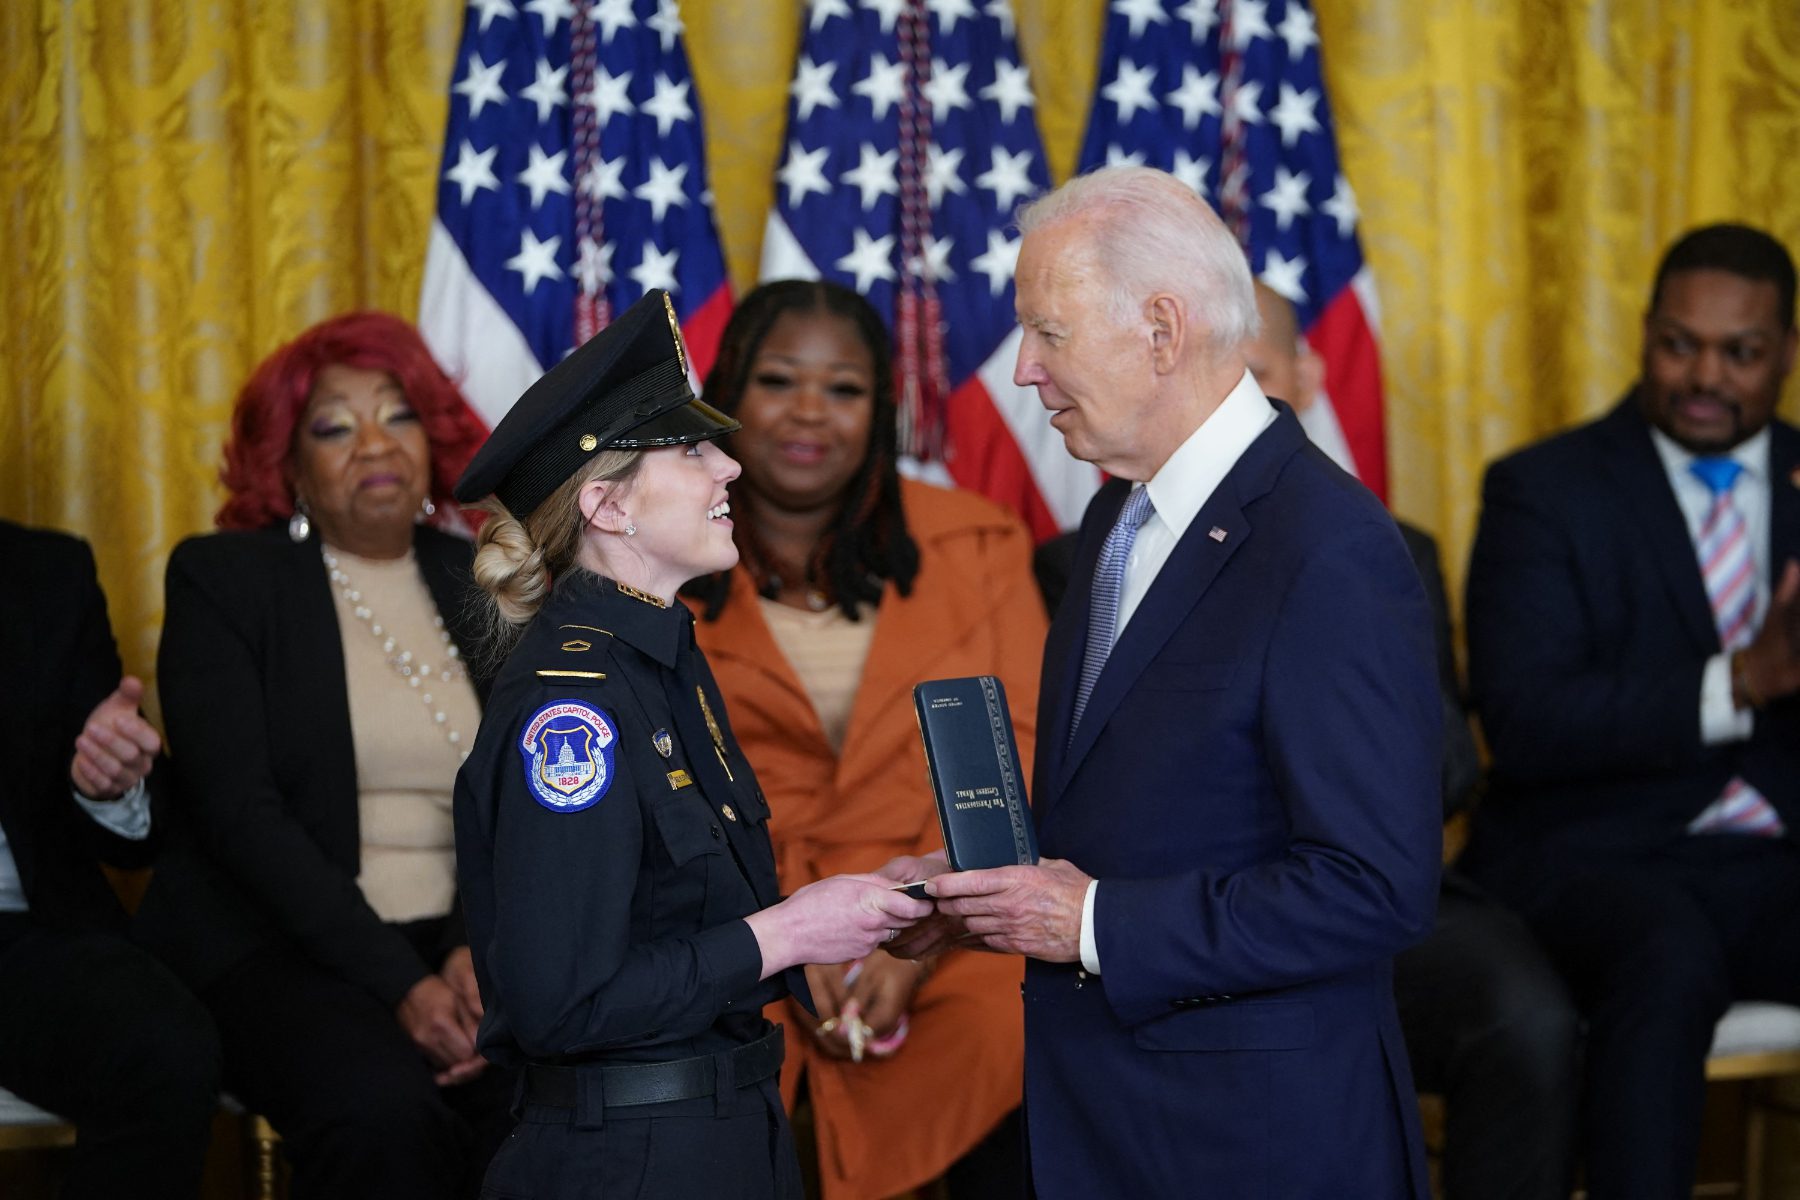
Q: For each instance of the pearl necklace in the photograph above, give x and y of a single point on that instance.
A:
(418, 675)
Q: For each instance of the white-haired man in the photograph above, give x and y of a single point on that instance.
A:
(1236, 786)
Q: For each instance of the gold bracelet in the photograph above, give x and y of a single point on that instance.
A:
(1740, 682)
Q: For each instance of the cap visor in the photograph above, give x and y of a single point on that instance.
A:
(695, 421)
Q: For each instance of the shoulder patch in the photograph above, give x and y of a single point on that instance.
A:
(567, 749)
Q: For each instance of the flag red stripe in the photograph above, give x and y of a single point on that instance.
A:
(1342, 337)
(985, 458)
(703, 329)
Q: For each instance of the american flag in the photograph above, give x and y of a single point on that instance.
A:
(574, 180)
(911, 140)
(1203, 87)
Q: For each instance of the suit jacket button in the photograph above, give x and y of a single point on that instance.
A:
(715, 831)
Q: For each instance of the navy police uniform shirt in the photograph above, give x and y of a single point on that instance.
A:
(610, 838)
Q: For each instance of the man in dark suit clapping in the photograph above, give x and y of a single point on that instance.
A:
(1236, 785)
(1634, 652)
(91, 1027)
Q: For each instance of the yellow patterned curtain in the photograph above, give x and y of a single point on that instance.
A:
(185, 183)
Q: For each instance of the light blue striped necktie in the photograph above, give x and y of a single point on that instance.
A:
(1726, 565)
(1103, 604)
(1729, 572)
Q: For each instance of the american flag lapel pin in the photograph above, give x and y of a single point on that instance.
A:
(1216, 533)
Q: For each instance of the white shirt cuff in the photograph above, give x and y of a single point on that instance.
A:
(1090, 951)
(128, 816)
(1720, 719)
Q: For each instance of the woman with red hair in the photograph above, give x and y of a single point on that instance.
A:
(259, 458)
(318, 706)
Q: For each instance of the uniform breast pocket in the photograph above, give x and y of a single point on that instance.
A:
(1177, 676)
(688, 828)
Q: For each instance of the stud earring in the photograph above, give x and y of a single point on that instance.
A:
(630, 529)
(300, 524)
(428, 510)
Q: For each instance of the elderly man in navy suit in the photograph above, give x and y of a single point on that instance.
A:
(1634, 654)
(1236, 787)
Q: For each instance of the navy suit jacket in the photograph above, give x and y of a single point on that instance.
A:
(1589, 628)
(1255, 784)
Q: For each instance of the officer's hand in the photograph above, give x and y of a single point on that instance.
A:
(428, 1013)
(931, 937)
(936, 933)
(115, 748)
(908, 869)
(832, 921)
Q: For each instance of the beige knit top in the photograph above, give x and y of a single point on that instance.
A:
(406, 762)
(827, 651)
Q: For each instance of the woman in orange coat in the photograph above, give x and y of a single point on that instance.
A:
(852, 586)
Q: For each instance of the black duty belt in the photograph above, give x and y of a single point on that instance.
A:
(626, 1085)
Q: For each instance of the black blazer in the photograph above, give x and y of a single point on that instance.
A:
(267, 842)
(1589, 628)
(57, 661)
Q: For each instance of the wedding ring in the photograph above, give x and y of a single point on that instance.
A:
(891, 935)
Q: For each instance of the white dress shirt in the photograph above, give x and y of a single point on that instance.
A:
(1178, 490)
(1720, 718)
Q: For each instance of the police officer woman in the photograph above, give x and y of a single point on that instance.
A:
(612, 841)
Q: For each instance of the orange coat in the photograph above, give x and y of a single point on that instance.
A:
(888, 1125)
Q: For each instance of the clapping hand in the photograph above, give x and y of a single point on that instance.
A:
(1771, 662)
(116, 747)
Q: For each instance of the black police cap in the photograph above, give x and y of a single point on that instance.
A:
(625, 389)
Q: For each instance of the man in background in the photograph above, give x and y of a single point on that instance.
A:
(1634, 654)
(91, 1027)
